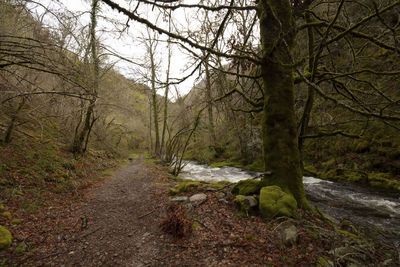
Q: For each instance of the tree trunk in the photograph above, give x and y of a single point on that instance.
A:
(305, 118)
(211, 128)
(280, 143)
(154, 102)
(166, 101)
(14, 117)
(79, 140)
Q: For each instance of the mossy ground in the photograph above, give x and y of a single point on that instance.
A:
(188, 185)
(39, 177)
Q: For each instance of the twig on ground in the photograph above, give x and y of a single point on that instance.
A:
(150, 212)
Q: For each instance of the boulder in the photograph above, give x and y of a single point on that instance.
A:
(220, 195)
(198, 197)
(246, 187)
(275, 203)
(245, 204)
(5, 238)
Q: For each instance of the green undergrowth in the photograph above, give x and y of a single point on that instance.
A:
(31, 170)
(377, 180)
(257, 165)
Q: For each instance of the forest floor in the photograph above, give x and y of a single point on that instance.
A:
(117, 223)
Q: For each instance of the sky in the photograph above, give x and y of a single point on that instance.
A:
(130, 43)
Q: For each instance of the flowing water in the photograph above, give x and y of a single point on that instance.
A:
(342, 201)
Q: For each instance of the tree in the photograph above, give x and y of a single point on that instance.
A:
(82, 137)
(279, 62)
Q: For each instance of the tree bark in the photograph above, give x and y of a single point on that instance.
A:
(14, 117)
(305, 118)
(154, 100)
(166, 100)
(279, 130)
(211, 128)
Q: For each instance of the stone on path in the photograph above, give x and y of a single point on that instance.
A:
(289, 234)
(198, 197)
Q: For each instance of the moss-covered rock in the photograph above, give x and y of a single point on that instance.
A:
(183, 186)
(245, 204)
(274, 203)
(6, 214)
(5, 238)
(246, 187)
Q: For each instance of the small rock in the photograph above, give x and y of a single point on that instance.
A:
(130, 234)
(220, 195)
(245, 205)
(223, 201)
(198, 197)
(146, 234)
(288, 234)
(179, 199)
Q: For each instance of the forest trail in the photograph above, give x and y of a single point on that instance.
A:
(122, 224)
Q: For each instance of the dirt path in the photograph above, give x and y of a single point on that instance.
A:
(122, 224)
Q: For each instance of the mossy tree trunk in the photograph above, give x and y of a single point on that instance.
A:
(280, 143)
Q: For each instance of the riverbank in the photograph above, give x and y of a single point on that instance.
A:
(217, 225)
(330, 170)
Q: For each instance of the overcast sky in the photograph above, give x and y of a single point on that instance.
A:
(129, 44)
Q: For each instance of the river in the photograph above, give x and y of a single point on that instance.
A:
(362, 206)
